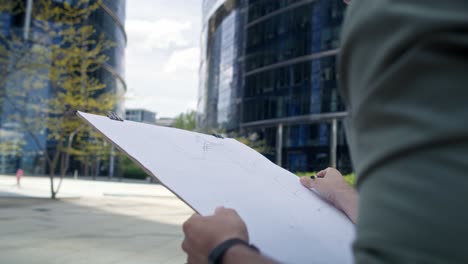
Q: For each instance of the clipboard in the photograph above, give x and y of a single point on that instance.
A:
(287, 221)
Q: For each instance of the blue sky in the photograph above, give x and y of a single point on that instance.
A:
(162, 55)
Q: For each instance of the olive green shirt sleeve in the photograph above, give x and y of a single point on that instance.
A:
(404, 76)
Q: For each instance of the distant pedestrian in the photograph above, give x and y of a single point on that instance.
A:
(19, 175)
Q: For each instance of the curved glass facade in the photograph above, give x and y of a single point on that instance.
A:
(107, 20)
(290, 59)
(220, 69)
(299, 89)
(279, 66)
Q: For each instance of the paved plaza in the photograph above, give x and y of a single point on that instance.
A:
(93, 222)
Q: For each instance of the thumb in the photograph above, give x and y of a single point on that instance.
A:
(322, 173)
(219, 209)
(308, 182)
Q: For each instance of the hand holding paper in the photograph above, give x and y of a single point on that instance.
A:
(287, 221)
(330, 185)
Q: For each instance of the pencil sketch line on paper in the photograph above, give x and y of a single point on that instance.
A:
(209, 146)
(212, 150)
(294, 194)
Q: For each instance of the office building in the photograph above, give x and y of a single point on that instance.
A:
(24, 19)
(269, 67)
(140, 115)
(165, 122)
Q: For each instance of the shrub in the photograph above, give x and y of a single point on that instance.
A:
(132, 171)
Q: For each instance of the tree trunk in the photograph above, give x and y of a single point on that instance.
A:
(63, 171)
(63, 165)
(97, 166)
(53, 165)
(87, 166)
(52, 191)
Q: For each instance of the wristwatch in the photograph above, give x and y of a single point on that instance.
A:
(217, 254)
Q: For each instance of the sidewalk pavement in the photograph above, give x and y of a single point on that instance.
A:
(92, 222)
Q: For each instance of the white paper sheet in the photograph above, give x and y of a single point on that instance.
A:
(285, 220)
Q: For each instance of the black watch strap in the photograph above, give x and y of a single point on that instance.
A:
(217, 254)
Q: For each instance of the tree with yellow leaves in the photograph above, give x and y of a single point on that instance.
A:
(50, 74)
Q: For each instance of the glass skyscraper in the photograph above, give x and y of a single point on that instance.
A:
(269, 67)
(107, 20)
(220, 69)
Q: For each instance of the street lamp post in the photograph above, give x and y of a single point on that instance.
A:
(334, 142)
(27, 19)
(279, 145)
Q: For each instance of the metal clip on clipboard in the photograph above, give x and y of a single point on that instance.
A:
(114, 116)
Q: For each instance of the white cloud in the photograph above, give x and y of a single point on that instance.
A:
(183, 60)
(157, 34)
(161, 57)
(165, 106)
(192, 105)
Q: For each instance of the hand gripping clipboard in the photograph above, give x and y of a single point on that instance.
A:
(285, 220)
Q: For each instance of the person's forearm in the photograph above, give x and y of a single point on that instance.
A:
(241, 254)
(348, 203)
